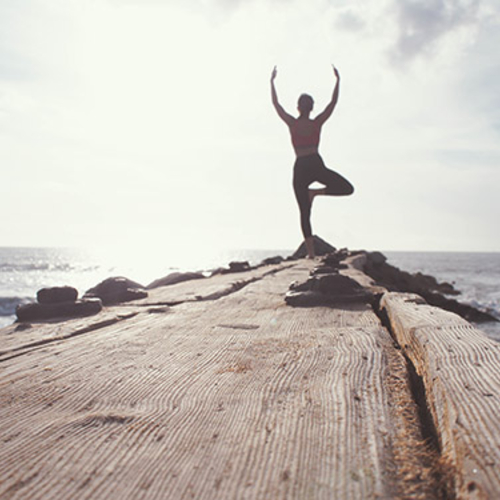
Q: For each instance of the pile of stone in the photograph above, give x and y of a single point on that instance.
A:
(326, 287)
(321, 247)
(435, 293)
(116, 290)
(58, 302)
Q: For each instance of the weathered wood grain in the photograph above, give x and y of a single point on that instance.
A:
(237, 398)
(18, 338)
(459, 366)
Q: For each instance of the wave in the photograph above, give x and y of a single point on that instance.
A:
(491, 307)
(46, 267)
(8, 304)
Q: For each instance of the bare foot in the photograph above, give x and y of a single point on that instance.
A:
(310, 247)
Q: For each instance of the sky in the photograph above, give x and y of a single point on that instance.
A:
(127, 123)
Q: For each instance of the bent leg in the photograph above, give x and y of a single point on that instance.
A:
(335, 184)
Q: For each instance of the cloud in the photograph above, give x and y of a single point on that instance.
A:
(423, 24)
(350, 21)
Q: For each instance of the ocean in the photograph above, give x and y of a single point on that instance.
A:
(23, 271)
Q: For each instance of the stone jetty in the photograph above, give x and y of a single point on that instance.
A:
(224, 388)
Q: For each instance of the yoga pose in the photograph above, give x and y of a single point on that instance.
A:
(309, 166)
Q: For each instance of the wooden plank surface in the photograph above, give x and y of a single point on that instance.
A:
(459, 366)
(237, 398)
(20, 337)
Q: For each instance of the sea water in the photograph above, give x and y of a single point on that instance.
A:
(23, 271)
(476, 275)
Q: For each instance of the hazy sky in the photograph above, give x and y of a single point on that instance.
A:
(150, 122)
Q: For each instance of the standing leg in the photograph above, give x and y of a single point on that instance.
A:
(301, 189)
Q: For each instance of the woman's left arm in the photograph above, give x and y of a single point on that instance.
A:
(322, 117)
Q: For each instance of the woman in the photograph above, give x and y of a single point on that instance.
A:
(309, 166)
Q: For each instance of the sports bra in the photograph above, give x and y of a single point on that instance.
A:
(300, 141)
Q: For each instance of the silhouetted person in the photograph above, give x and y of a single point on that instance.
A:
(309, 166)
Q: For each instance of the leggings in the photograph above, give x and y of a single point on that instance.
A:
(308, 169)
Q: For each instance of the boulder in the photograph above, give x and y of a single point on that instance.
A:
(327, 290)
(173, 278)
(57, 294)
(234, 267)
(35, 311)
(239, 266)
(278, 259)
(116, 290)
(333, 261)
(321, 247)
(376, 258)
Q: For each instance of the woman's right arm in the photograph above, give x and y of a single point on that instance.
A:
(288, 119)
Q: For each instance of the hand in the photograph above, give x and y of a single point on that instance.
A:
(274, 73)
(335, 71)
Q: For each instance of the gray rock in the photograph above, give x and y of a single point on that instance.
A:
(376, 258)
(278, 259)
(327, 290)
(394, 279)
(334, 259)
(174, 278)
(311, 298)
(57, 294)
(239, 266)
(234, 267)
(72, 309)
(116, 290)
(321, 247)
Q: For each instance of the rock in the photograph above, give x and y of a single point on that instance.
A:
(71, 309)
(173, 278)
(464, 310)
(57, 294)
(394, 279)
(234, 267)
(327, 290)
(428, 287)
(278, 259)
(218, 270)
(333, 261)
(336, 284)
(238, 267)
(376, 258)
(314, 299)
(116, 290)
(323, 269)
(321, 247)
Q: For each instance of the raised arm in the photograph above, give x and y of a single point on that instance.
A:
(288, 119)
(322, 117)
